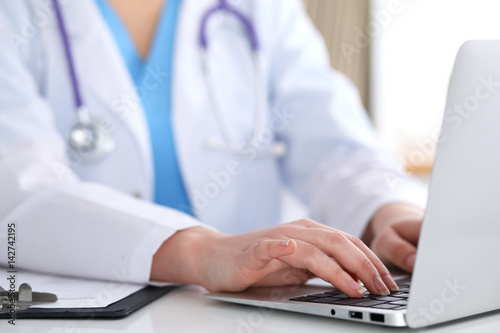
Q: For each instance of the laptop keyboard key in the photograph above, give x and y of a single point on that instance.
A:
(401, 307)
(386, 298)
(368, 303)
(319, 295)
(402, 302)
(348, 301)
(324, 300)
(303, 299)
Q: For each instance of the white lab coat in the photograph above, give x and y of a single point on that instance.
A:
(82, 218)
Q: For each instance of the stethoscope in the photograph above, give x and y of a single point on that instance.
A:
(91, 140)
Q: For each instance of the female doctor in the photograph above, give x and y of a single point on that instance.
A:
(128, 128)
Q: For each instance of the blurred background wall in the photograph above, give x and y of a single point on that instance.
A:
(338, 21)
(400, 54)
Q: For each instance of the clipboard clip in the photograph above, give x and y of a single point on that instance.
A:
(22, 299)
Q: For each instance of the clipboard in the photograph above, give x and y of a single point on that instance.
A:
(116, 310)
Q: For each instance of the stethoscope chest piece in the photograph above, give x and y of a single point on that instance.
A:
(90, 140)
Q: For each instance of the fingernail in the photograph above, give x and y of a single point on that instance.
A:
(285, 243)
(380, 287)
(359, 289)
(389, 282)
(410, 261)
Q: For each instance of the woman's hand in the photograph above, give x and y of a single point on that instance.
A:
(282, 255)
(393, 234)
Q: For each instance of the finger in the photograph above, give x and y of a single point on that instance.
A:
(259, 261)
(409, 231)
(379, 265)
(393, 249)
(337, 245)
(310, 257)
(354, 276)
(262, 253)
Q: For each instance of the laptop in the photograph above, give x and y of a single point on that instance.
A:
(457, 266)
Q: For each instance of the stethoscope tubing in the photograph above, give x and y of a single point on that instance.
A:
(231, 145)
(83, 113)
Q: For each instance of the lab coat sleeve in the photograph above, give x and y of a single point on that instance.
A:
(63, 225)
(333, 163)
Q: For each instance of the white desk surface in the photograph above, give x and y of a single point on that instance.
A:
(186, 310)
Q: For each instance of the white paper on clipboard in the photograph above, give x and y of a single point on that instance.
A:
(76, 293)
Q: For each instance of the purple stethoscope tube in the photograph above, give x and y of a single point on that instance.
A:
(223, 6)
(69, 56)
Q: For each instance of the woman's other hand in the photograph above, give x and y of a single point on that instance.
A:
(393, 234)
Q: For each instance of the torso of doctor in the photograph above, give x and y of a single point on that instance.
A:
(96, 219)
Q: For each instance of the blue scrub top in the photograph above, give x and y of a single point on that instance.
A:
(152, 78)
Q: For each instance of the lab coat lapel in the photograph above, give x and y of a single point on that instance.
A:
(192, 117)
(96, 52)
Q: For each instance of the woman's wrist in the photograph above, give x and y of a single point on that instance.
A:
(181, 257)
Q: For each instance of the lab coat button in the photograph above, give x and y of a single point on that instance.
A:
(137, 195)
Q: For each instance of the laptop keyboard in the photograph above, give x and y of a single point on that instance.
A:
(395, 301)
